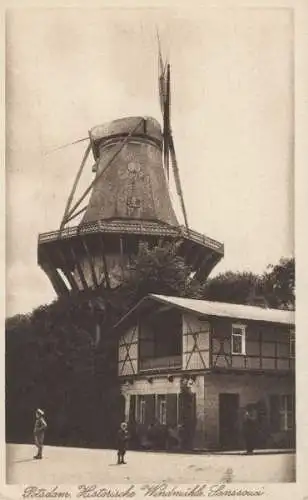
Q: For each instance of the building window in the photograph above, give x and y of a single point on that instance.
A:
(286, 413)
(238, 339)
(292, 343)
(162, 410)
(282, 412)
(141, 416)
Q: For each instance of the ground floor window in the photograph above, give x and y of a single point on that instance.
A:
(141, 408)
(164, 421)
(292, 343)
(162, 410)
(282, 412)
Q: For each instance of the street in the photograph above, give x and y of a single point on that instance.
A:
(83, 466)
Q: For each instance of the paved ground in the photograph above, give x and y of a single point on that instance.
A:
(81, 466)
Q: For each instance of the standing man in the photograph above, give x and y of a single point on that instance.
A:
(122, 442)
(250, 430)
(39, 432)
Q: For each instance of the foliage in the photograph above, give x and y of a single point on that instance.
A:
(233, 287)
(279, 284)
(274, 288)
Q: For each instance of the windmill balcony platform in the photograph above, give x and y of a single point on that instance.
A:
(132, 227)
(166, 362)
(85, 256)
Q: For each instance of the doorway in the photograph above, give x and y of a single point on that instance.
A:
(228, 421)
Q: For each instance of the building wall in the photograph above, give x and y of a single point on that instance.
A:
(207, 344)
(252, 388)
(267, 346)
(196, 343)
(162, 386)
(128, 352)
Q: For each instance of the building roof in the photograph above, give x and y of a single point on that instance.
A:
(236, 311)
(216, 309)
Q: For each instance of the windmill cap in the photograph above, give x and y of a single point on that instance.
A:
(39, 411)
(146, 125)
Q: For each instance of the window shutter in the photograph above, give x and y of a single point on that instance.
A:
(274, 412)
(193, 409)
(293, 412)
(149, 409)
(122, 407)
(132, 409)
(181, 408)
(172, 409)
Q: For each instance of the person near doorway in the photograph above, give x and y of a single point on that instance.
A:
(250, 430)
(40, 427)
(173, 440)
(122, 441)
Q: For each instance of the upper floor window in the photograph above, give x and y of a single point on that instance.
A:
(238, 339)
(292, 343)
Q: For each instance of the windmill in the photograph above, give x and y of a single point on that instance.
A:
(129, 203)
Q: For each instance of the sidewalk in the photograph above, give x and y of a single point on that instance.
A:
(82, 466)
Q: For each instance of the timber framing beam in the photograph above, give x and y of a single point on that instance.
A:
(54, 276)
(79, 269)
(66, 270)
(89, 256)
(107, 280)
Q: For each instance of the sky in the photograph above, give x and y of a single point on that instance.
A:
(70, 69)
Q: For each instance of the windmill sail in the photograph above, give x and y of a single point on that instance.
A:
(177, 180)
(168, 143)
(161, 78)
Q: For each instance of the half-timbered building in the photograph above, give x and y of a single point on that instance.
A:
(201, 364)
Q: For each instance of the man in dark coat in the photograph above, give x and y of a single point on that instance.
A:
(122, 440)
(250, 430)
(39, 432)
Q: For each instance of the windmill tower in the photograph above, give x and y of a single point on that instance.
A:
(129, 203)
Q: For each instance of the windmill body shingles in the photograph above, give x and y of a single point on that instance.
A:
(133, 185)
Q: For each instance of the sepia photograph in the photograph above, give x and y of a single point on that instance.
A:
(150, 269)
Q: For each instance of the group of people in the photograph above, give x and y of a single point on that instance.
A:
(40, 426)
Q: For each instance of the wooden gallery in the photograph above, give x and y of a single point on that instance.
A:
(200, 364)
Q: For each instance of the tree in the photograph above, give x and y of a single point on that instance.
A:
(233, 287)
(274, 288)
(279, 284)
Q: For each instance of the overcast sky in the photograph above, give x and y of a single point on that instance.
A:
(232, 119)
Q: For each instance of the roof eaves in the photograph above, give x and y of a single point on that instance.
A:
(167, 300)
(131, 311)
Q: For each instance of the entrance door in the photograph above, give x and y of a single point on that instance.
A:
(187, 418)
(228, 421)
